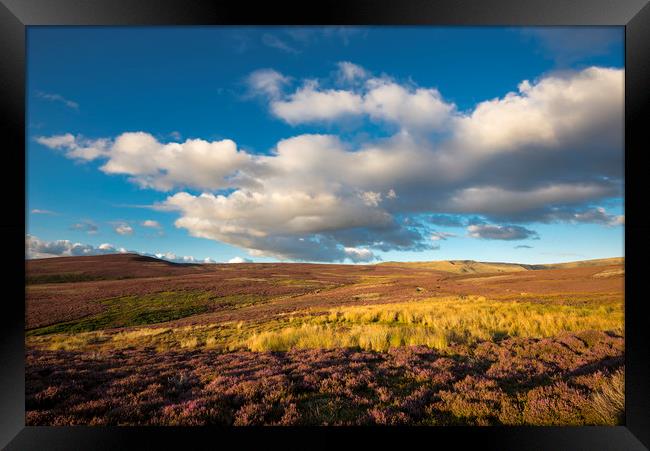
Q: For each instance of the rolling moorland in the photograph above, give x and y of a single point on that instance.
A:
(132, 340)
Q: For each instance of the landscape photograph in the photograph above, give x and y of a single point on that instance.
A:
(325, 226)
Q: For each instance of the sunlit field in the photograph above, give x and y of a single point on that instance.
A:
(326, 344)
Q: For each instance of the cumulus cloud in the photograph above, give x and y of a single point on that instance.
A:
(240, 260)
(410, 108)
(500, 232)
(162, 166)
(76, 147)
(122, 228)
(545, 153)
(359, 255)
(172, 257)
(287, 225)
(309, 104)
(555, 112)
(381, 99)
(37, 248)
(85, 226)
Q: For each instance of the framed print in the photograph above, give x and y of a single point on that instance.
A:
(293, 225)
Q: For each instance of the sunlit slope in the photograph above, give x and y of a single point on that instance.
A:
(474, 267)
(586, 263)
(462, 266)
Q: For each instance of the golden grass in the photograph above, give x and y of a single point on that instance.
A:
(377, 337)
(610, 273)
(433, 322)
(437, 323)
(609, 402)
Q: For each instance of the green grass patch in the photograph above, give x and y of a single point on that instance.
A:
(65, 278)
(149, 309)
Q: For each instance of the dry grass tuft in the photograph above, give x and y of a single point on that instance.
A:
(609, 402)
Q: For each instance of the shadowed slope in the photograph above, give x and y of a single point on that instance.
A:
(104, 267)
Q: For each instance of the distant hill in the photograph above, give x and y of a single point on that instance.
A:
(474, 267)
(126, 266)
(462, 266)
(103, 267)
(585, 263)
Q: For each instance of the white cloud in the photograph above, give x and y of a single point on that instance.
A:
(162, 166)
(152, 164)
(36, 248)
(350, 72)
(240, 260)
(381, 99)
(58, 98)
(110, 247)
(38, 211)
(371, 198)
(172, 257)
(151, 224)
(359, 255)
(308, 104)
(549, 113)
(122, 228)
(77, 148)
(542, 154)
(268, 82)
(409, 108)
(58, 141)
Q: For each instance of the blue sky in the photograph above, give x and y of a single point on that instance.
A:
(326, 143)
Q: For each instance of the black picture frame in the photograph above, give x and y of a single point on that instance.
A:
(16, 15)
